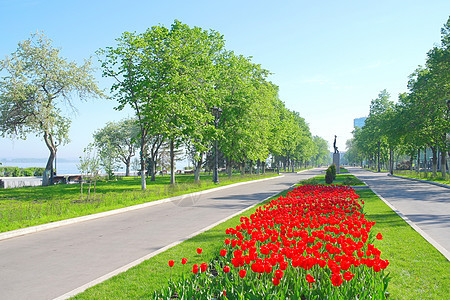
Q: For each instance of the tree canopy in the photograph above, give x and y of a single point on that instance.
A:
(38, 82)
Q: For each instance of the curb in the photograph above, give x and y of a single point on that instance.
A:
(37, 228)
(150, 255)
(421, 180)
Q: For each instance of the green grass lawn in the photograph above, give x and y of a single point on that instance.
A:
(341, 179)
(28, 206)
(417, 269)
(424, 176)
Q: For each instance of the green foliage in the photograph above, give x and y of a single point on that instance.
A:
(420, 119)
(38, 82)
(333, 171)
(17, 172)
(173, 77)
(117, 142)
(329, 176)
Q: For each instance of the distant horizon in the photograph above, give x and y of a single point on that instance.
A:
(35, 160)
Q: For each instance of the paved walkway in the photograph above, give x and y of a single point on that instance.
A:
(427, 206)
(51, 263)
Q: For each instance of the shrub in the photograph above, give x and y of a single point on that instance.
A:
(28, 172)
(333, 171)
(329, 176)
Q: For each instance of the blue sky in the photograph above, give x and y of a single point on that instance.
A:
(329, 58)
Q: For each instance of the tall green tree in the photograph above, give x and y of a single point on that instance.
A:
(128, 65)
(37, 84)
(322, 153)
(118, 141)
(167, 76)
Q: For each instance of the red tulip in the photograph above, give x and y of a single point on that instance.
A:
(171, 263)
(275, 281)
(203, 267)
(310, 279)
(195, 269)
(279, 274)
(348, 275)
(184, 261)
(199, 250)
(379, 236)
(223, 252)
(336, 279)
(242, 273)
(226, 269)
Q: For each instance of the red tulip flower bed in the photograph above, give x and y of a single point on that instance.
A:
(315, 243)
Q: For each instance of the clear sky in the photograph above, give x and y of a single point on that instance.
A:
(329, 58)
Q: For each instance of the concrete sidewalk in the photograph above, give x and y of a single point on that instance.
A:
(51, 263)
(426, 206)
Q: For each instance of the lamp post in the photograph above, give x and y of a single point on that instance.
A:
(216, 112)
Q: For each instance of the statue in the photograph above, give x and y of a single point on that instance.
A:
(334, 145)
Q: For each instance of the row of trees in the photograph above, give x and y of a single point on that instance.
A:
(175, 77)
(419, 120)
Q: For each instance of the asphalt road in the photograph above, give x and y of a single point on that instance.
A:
(51, 263)
(424, 204)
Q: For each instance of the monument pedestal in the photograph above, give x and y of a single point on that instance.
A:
(336, 162)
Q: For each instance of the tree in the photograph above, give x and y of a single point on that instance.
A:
(247, 100)
(322, 154)
(38, 82)
(166, 75)
(124, 64)
(89, 169)
(117, 141)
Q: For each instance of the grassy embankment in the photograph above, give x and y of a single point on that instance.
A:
(28, 206)
(424, 176)
(417, 269)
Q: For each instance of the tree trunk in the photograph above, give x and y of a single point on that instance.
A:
(391, 161)
(172, 163)
(264, 167)
(127, 167)
(418, 161)
(258, 165)
(142, 157)
(425, 163)
(89, 189)
(152, 169)
(230, 167)
(198, 167)
(242, 168)
(47, 177)
(251, 167)
(435, 159)
(81, 187)
(443, 164)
